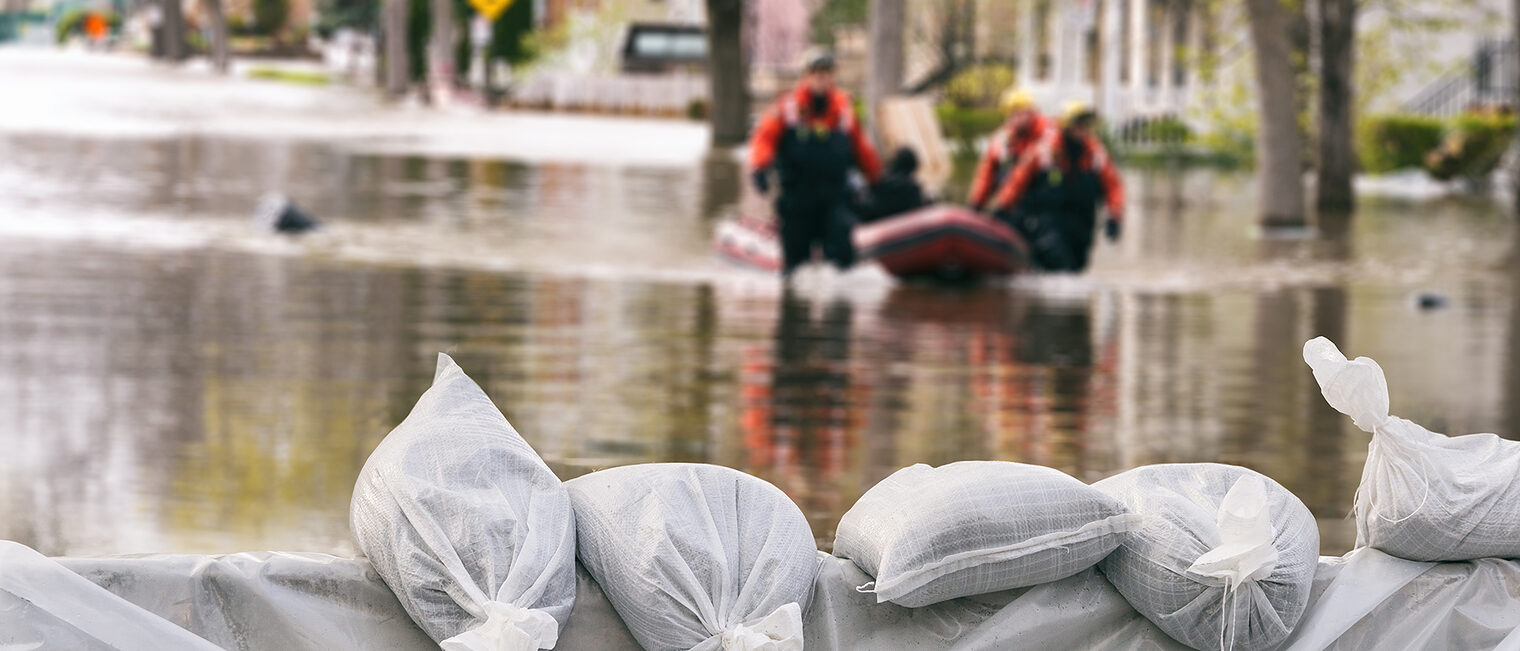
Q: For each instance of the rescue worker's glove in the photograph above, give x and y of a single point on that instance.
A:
(1111, 229)
(762, 180)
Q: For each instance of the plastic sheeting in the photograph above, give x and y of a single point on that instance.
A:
(292, 602)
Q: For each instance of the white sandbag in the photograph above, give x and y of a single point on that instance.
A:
(1223, 559)
(973, 527)
(466, 524)
(1423, 496)
(695, 556)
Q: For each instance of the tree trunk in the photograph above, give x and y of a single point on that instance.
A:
(886, 54)
(441, 48)
(726, 72)
(172, 31)
(1515, 83)
(1337, 158)
(221, 50)
(396, 65)
(1279, 145)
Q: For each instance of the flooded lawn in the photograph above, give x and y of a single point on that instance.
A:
(172, 380)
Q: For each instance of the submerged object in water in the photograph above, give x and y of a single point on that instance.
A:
(278, 212)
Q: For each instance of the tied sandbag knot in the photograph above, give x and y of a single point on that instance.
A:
(778, 631)
(508, 627)
(1246, 551)
(1358, 388)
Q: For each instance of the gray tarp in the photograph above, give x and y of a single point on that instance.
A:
(268, 600)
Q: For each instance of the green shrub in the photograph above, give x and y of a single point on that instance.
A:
(965, 125)
(979, 86)
(696, 109)
(69, 24)
(72, 22)
(1389, 142)
(1166, 129)
(269, 16)
(1473, 146)
(303, 77)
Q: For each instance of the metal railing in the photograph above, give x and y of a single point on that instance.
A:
(1488, 79)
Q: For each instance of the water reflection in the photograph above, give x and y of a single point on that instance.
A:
(221, 396)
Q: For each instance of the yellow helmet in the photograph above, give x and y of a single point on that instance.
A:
(1016, 99)
(1075, 109)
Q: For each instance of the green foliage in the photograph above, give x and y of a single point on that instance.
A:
(1391, 142)
(351, 14)
(269, 16)
(1230, 113)
(508, 34)
(979, 86)
(1167, 129)
(696, 109)
(833, 15)
(72, 23)
(1473, 147)
(966, 125)
(419, 27)
(512, 37)
(302, 77)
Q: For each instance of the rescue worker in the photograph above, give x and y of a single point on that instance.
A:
(812, 139)
(897, 191)
(1052, 195)
(1024, 127)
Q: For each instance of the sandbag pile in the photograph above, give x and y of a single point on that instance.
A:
(466, 524)
(479, 540)
(1224, 558)
(975, 527)
(1423, 496)
(695, 556)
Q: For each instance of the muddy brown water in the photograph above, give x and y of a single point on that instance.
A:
(174, 380)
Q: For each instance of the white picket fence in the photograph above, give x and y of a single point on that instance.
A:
(639, 94)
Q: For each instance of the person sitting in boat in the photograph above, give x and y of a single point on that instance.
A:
(898, 191)
(1052, 195)
(1024, 127)
(812, 138)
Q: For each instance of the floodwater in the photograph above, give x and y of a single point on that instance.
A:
(173, 380)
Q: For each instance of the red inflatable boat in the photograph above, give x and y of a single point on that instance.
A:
(750, 243)
(943, 241)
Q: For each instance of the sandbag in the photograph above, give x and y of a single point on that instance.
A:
(973, 527)
(1423, 496)
(1224, 557)
(695, 556)
(466, 524)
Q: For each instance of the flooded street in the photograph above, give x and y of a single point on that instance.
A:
(173, 380)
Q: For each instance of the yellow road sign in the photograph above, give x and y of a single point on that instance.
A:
(491, 9)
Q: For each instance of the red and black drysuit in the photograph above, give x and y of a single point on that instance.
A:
(812, 142)
(1052, 198)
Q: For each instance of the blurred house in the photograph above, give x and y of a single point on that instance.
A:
(1139, 59)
